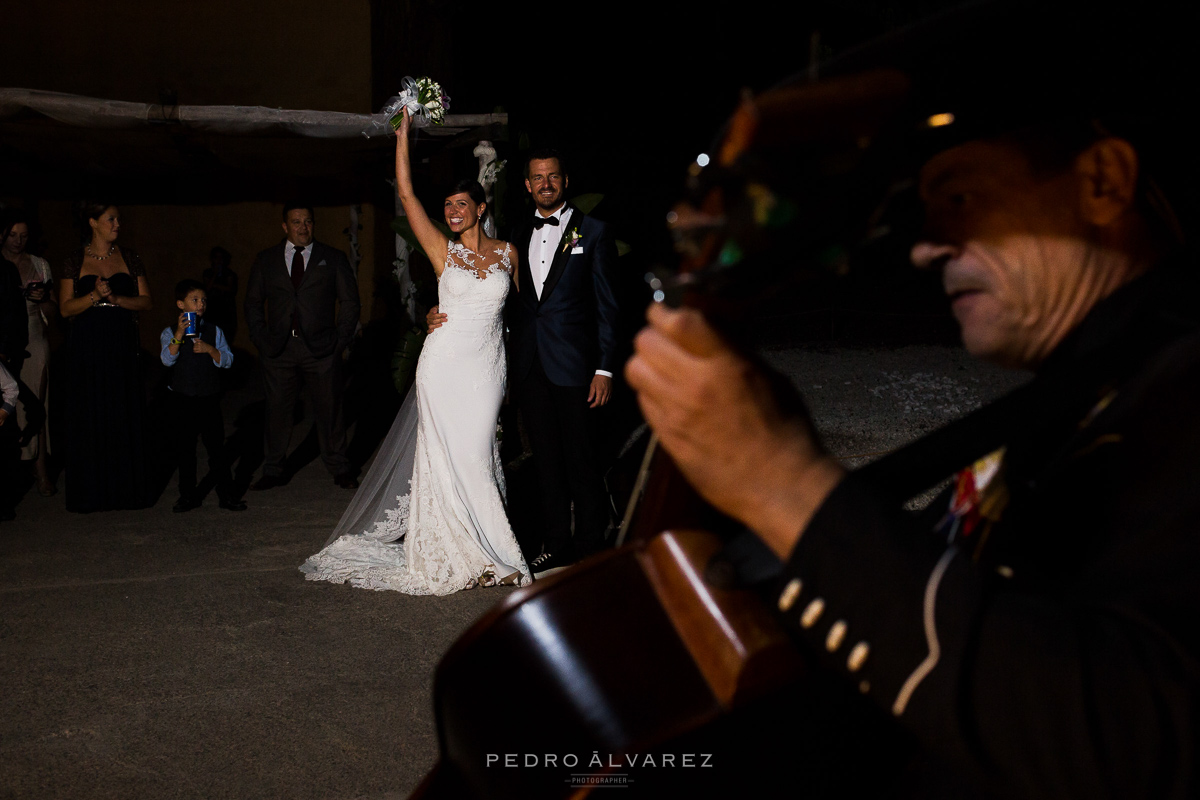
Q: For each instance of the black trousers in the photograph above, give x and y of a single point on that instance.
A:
(561, 431)
(200, 417)
(10, 460)
(284, 375)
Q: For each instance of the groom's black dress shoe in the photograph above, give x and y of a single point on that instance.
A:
(233, 505)
(267, 482)
(185, 504)
(547, 564)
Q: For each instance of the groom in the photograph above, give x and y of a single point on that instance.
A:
(562, 353)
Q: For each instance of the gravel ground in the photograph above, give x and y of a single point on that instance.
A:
(867, 402)
(150, 654)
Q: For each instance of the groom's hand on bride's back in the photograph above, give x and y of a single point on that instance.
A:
(434, 320)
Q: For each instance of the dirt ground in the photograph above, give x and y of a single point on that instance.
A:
(151, 654)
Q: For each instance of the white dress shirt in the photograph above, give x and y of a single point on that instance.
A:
(289, 252)
(543, 247)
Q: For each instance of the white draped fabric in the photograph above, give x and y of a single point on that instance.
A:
(93, 112)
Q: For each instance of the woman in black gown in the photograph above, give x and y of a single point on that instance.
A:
(102, 288)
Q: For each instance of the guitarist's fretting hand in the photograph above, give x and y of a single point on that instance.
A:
(716, 416)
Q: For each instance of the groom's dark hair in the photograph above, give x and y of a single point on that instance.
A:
(542, 153)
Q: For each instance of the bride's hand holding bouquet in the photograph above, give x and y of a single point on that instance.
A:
(402, 123)
(422, 98)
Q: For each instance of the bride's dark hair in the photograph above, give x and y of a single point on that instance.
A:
(472, 188)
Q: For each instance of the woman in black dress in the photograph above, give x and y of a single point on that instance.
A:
(102, 288)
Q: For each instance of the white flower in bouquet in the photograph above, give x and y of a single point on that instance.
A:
(425, 101)
(432, 98)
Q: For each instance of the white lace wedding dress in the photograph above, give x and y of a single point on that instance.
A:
(429, 517)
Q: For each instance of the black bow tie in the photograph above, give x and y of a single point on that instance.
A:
(539, 221)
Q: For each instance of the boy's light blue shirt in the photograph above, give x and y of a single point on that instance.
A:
(222, 347)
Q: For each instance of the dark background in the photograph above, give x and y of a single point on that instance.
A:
(630, 92)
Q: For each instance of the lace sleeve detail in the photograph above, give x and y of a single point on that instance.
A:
(72, 266)
(456, 249)
(506, 257)
(137, 267)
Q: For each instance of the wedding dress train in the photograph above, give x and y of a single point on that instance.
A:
(429, 517)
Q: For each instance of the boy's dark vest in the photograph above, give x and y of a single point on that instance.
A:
(195, 373)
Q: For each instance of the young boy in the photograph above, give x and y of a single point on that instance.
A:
(196, 397)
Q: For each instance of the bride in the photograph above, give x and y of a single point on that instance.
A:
(429, 517)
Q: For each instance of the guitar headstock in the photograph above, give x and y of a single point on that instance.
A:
(804, 182)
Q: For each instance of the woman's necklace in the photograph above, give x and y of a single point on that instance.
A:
(111, 248)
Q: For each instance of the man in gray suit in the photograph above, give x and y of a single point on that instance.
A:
(301, 312)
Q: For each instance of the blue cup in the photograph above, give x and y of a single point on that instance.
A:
(190, 318)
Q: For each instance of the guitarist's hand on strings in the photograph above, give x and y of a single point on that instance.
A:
(718, 418)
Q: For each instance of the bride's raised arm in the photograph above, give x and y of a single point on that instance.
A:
(433, 241)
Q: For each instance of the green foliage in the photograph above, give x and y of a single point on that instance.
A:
(404, 229)
(404, 358)
(587, 202)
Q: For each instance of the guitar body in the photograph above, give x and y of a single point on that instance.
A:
(628, 671)
(575, 665)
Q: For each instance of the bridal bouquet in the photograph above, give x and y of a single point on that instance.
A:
(425, 101)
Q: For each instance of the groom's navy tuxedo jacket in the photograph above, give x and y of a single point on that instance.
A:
(572, 328)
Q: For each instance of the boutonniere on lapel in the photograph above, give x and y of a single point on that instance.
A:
(573, 239)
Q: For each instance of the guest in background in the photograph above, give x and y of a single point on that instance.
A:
(8, 445)
(14, 333)
(102, 288)
(14, 337)
(221, 286)
(40, 304)
(301, 312)
(196, 396)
